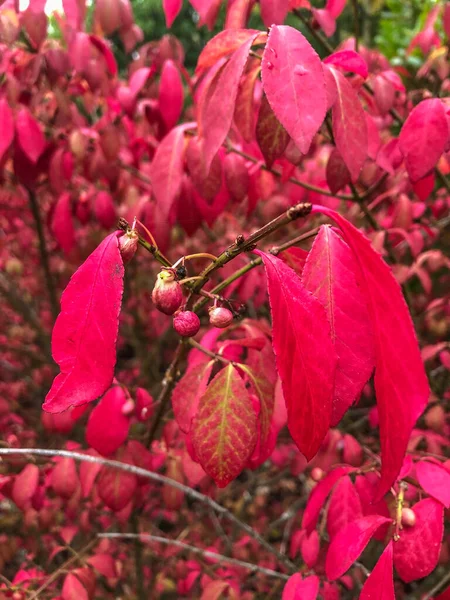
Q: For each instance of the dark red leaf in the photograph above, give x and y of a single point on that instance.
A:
(401, 384)
(116, 487)
(272, 137)
(337, 173)
(349, 543)
(294, 84)
(305, 355)
(380, 583)
(416, 553)
(85, 333)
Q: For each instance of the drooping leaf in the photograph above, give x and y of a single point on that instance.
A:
(416, 553)
(273, 12)
(329, 274)
(171, 95)
(29, 135)
(272, 137)
(224, 430)
(62, 223)
(297, 588)
(349, 543)
(107, 439)
(294, 84)
(171, 9)
(344, 506)
(187, 393)
(400, 381)
(305, 355)
(217, 110)
(380, 583)
(349, 125)
(223, 44)
(423, 137)
(85, 333)
(6, 126)
(337, 173)
(435, 480)
(348, 60)
(166, 171)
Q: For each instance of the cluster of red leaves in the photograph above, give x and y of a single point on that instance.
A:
(268, 125)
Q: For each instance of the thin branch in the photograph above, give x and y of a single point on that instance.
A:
(437, 588)
(124, 225)
(45, 262)
(205, 553)
(191, 493)
(209, 353)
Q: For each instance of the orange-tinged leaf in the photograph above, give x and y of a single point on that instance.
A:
(223, 44)
(244, 112)
(224, 430)
(187, 392)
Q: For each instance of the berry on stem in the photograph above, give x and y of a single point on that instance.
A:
(186, 323)
(220, 317)
(167, 294)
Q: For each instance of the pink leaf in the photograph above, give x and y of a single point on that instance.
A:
(6, 126)
(64, 479)
(416, 553)
(171, 96)
(106, 52)
(29, 135)
(25, 486)
(294, 84)
(329, 274)
(138, 79)
(224, 43)
(380, 583)
(305, 355)
(116, 487)
(310, 547)
(401, 384)
(188, 391)
(107, 440)
(349, 125)
(62, 223)
(171, 9)
(423, 137)
(297, 588)
(348, 60)
(217, 110)
(435, 480)
(167, 169)
(344, 506)
(349, 543)
(85, 333)
(104, 209)
(337, 174)
(271, 136)
(273, 12)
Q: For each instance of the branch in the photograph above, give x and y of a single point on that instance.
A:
(439, 585)
(205, 553)
(115, 464)
(34, 205)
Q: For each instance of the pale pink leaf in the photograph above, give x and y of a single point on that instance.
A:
(294, 84)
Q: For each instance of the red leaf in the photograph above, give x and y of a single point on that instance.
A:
(423, 137)
(224, 430)
(167, 169)
(310, 547)
(416, 553)
(294, 84)
(29, 135)
(344, 506)
(319, 495)
(236, 176)
(85, 333)
(349, 543)
(305, 355)
(171, 95)
(107, 440)
(138, 79)
(116, 488)
(104, 209)
(62, 223)
(349, 125)
(400, 381)
(380, 583)
(73, 589)
(217, 110)
(435, 480)
(273, 12)
(214, 590)
(64, 479)
(272, 137)
(25, 486)
(88, 473)
(244, 114)
(348, 60)
(6, 126)
(224, 43)
(187, 393)
(337, 174)
(301, 589)
(171, 9)
(329, 274)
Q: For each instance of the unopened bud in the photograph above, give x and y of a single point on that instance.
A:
(220, 317)
(128, 244)
(167, 293)
(186, 323)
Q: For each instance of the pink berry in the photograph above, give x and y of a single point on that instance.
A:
(167, 293)
(128, 244)
(220, 317)
(186, 323)
(317, 474)
(408, 517)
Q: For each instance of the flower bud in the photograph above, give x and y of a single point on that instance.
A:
(220, 317)
(186, 323)
(167, 293)
(128, 244)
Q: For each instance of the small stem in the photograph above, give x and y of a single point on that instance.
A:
(152, 239)
(123, 224)
(209, 353)
(188, 279)
(200, 255)
(45, 262)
